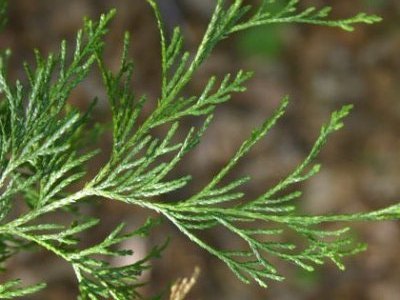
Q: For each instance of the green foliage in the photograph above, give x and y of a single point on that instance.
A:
(264, 42)
(11, 289)
(291, 13)
(42, 153)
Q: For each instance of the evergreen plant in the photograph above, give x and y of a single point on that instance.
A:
(44, 152)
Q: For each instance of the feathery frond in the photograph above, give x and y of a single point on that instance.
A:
(42, 154)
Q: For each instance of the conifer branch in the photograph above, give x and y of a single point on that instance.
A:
(42, 154)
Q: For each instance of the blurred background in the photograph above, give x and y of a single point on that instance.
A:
(320, 68)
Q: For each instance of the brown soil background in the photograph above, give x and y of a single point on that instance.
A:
(321, 69)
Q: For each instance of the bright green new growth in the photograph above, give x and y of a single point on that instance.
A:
(41, 154)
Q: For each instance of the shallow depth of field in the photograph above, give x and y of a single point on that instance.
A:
(320, 68)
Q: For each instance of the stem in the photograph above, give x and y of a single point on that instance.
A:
(388, 213)
(47, 209)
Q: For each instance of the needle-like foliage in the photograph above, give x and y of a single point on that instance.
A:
(43, 152)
